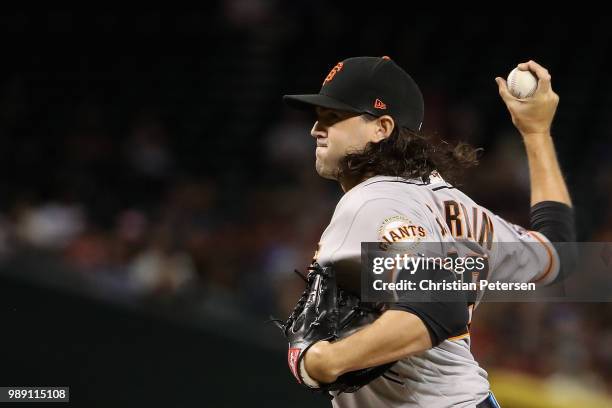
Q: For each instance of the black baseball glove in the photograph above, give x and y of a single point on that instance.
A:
(325, 312)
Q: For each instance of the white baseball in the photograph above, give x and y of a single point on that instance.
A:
(522, 84)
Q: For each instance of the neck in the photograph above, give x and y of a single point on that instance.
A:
(348, 183)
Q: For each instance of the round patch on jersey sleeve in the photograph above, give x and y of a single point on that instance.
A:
(400, 228)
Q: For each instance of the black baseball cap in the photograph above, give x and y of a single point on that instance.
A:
(374, 85)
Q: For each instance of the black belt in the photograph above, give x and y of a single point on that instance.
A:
(489, 402)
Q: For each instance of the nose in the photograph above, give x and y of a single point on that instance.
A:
(318, 130)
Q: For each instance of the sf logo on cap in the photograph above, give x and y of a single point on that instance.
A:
(333, 72)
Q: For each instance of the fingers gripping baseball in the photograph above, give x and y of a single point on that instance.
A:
(532, 115)
(540, 72)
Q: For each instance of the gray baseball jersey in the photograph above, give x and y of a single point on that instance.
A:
(392, 209)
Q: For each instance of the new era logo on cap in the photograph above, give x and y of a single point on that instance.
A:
(378, 104)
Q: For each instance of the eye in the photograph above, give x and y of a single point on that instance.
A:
(330, 117)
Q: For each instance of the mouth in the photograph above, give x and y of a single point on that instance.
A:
(321, 142)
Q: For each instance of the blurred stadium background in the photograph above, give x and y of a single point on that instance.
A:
(155, 195)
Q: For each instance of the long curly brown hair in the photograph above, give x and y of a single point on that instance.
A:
(409, 154)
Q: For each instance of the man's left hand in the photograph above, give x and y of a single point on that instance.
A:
(318, 363)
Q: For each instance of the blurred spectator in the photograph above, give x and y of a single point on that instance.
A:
(146, 147)
(51, 225)
(162, 269)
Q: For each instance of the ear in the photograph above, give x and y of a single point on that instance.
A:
(384, 125)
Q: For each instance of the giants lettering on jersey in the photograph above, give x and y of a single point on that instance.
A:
(400, 229)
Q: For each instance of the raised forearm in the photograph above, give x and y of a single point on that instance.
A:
(547, 183)
(393, 336)
(533, 117)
